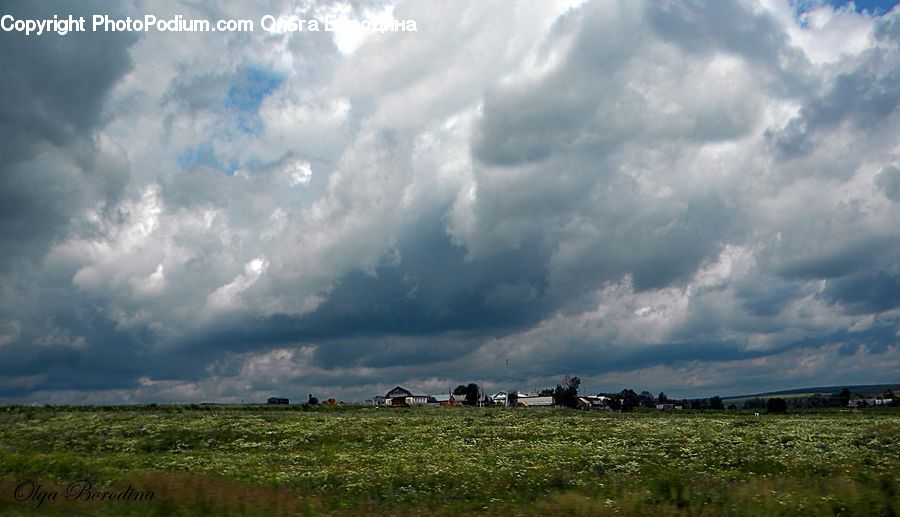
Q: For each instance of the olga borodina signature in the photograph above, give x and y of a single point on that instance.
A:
(77, 491)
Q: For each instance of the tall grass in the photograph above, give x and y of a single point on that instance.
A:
(241, 461)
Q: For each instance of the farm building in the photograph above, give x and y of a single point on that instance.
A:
(533, 401)
(668, 407)
(447, 399)
(276, 400)
(501, 398)
(593, 402)
(400, 396)
(877, 402)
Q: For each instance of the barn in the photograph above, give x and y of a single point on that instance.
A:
(447, 399)
(400, 396)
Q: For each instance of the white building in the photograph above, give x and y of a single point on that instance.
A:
(533, 401)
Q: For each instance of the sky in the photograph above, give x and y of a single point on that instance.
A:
(692, 197)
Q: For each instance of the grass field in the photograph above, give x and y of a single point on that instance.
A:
(262, 461)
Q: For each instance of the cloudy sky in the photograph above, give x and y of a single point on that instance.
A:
(696, 197)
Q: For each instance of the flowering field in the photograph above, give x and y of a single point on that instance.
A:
(262, 461)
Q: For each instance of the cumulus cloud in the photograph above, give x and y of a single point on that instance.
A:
(690, 197)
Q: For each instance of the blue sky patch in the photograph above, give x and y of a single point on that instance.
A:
(204, 155)
(876, 7)
(246, 96)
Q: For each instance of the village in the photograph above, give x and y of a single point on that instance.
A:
(566, 396)
(472, 395)
(402, 397)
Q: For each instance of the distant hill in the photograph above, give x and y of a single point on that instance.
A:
(860, 389)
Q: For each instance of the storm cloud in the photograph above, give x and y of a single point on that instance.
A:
(692, 197)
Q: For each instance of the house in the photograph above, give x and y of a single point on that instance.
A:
(447, 399)
(593, 402)
(668, 407)
(378, 400)
(533, 401)
(401, 397)
(877, 402)
(276, 400)
(501, 398)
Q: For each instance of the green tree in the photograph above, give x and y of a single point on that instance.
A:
(615, 403)
(755, 403)
(776, 405)
(460, 390)
(472, 394)
(567, 395)
(700, 404)
(716, 403)
(844, 397)
(630, 399)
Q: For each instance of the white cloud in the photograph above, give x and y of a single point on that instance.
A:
(227, 297)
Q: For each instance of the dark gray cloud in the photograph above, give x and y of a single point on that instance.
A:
(692, 197)
(889, 182)
(867, 97)
(51, 99)
(705, 28)
(868, 291)
(60, 83)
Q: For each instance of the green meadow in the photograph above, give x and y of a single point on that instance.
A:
(252, 460)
